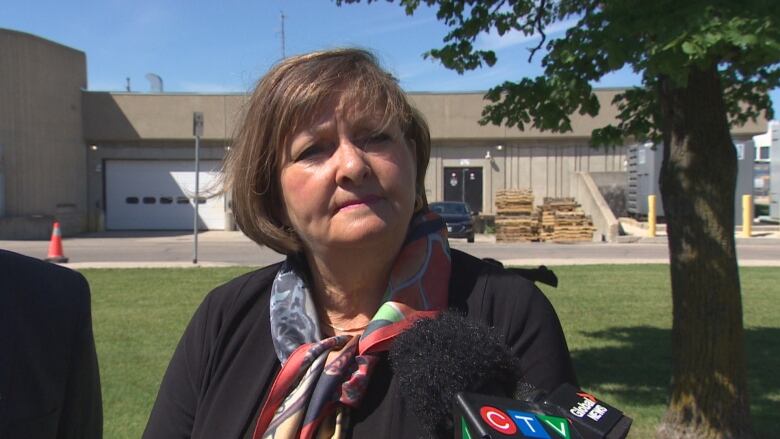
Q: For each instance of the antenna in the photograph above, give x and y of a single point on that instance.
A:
(155, 83)
(282, 17)
(127, 87)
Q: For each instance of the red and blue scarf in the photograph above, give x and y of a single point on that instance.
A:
(311, 399)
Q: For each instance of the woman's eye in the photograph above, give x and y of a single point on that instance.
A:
(376, 139)
(312, 152)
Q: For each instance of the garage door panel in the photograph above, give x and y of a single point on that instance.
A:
(158, 195)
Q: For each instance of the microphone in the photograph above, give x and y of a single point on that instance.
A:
(567, 413)
(437, 358)
(462, 381)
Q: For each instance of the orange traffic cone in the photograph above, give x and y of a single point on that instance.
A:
(55, 245)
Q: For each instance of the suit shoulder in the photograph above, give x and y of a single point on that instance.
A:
(232, 305)
(481, 283)
(26, 273)
(246, 287)
(470, 269)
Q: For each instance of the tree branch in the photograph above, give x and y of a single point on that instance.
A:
(497, 7)
(539, 26)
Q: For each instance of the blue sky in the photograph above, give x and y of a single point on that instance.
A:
(225, 46)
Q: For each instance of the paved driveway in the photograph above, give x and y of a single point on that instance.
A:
(122, 249)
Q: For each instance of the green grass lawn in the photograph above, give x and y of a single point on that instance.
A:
(617, 321)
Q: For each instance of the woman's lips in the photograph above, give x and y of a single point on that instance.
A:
(365, 201)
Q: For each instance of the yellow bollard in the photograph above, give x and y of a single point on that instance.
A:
(651, 216)
(747, 216)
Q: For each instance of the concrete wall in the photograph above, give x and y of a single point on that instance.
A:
(40, 130)
(451, 117)
(614, 188)
(546, 166)
(584, 189)
(127, 117)
(132, 116)
(455, 116)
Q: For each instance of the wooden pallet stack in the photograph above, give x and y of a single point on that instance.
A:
(515, 216)
(546, 223)
(562, 219)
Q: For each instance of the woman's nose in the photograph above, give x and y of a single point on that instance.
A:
(352, 166)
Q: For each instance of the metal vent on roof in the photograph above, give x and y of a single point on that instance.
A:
(155, 83)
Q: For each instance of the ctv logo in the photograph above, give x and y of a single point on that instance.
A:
(530, 424)
(498, 420)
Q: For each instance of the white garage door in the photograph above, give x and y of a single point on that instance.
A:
(159, 195)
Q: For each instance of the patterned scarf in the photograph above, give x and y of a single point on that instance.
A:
(309, 398)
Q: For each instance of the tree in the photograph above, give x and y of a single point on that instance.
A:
(706, 65)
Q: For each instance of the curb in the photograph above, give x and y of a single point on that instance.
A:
(530, 262)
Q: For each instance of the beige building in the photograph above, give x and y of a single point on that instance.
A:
(43, 162)
(124, 161)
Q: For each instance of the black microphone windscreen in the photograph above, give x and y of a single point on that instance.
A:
(437, 358)
(525, 391)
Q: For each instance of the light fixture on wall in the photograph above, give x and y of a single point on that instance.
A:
(499, 147)
(93, 147)
(488, 156)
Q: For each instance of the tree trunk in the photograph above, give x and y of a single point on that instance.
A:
(709, 388)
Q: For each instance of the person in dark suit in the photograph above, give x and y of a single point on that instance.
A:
(49, 381)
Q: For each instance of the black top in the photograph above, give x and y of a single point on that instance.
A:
(49, 384)
(225, 362)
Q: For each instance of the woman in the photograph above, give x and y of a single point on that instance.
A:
(328, 168)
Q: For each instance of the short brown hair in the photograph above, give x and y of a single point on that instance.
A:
(288, 96)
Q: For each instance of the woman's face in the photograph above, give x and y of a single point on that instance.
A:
(345, 184)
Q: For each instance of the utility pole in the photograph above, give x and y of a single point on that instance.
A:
(197, 131)
(282, 17)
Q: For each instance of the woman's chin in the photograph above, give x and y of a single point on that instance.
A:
(368, 232)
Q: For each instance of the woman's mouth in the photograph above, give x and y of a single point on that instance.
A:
(359, 202)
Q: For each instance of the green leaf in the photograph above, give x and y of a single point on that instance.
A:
(690, 49)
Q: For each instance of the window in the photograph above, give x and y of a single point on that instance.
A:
(182, 200)
(763, 152)
(166, 200)
(149, 200)
(131, 200)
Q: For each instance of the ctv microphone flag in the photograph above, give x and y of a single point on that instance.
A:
(488, 417)
(566, 413)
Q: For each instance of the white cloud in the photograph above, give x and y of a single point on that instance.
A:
(494, 41)
(438, 79)
(411, 70)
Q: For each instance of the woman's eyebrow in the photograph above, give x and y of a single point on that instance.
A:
(366, 123)
(321, 127)
(314, 131)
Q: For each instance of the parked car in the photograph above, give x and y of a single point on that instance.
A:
(458, 216)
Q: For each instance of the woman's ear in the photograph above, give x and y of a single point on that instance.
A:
(418, 202)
